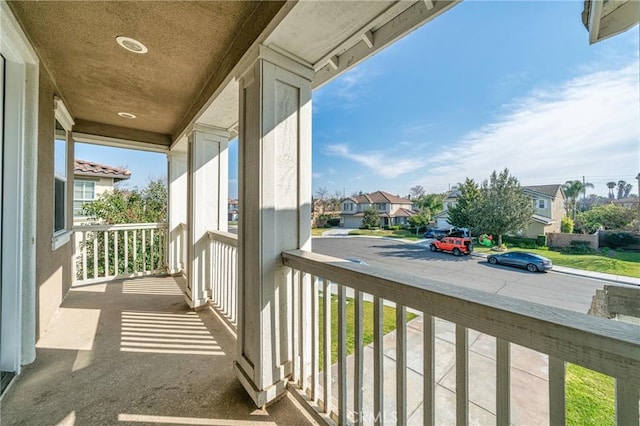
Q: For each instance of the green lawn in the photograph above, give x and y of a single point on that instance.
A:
(589, 397)
(621, 263)
(384, 233)
(389, 324)
(317, 232)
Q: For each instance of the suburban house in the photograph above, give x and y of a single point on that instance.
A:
(393, 209)
(90, 180)
(217, 324)
(548, 202)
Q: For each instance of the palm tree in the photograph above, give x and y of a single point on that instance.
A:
(611, 185)
(573, 189)
(621, 185)
(627, 190)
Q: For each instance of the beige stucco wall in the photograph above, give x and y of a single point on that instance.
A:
(53, 271)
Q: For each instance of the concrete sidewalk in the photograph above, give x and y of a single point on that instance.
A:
(529, 379)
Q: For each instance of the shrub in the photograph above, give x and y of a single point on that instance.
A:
(620, 239)
(566, 225)
(579, 247)
(334, 221)
(521, 242)
(541, 241)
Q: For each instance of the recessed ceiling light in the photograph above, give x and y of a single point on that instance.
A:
(126, 115)
(131, 44)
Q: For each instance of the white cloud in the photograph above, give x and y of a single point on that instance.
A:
(316, 175)
(379, 162)
(587, 126)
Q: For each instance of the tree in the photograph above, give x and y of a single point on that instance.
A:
(130, 206)
(608, 216)
(420, 220)
(371, 219)
(503, 207)
(566, 225)
(465, 213)
(322, 192)
(573, 189)
(433, 202)
(611, 186)
(627, 190)
(621, 186)
(417, 191)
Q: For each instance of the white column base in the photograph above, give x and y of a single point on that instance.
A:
(264, 397)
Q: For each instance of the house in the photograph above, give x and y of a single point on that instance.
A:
(393, 210)
(232, 208)
(92, 180)
(184, 79)
(548, 202)
(549, 209)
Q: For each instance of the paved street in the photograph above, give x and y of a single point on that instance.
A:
(552, 289)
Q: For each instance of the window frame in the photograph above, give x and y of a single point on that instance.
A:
(62, 236)
(83, 200)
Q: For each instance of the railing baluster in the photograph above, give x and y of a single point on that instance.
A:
(342, 355)
(305, 352)
(428, 367)
(358, 368)
(152, 265)
(378, 361)
(106, 253)
(462, 376)
(301, 340)
(95, 255)
(144, 251)
(297, 344)
(84, 255)
(126, 251)
(556, 391)
(116, 254)
(234, 280)
(401, 364)
(135, 251)
(315, 335)
(326, 344)
(503, 382)
(627, 395)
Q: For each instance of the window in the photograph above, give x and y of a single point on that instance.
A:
(348, 207)
(84, 191)
(541, 204)
(59, 178)
(63, 125)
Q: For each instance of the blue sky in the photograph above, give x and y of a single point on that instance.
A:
(485, 86)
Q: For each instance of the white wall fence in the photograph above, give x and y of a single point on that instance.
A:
(368, 388)
(106, 252)
(223, 274)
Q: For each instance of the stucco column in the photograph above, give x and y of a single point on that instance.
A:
(177, 232)
(208, 176)
(275, 214)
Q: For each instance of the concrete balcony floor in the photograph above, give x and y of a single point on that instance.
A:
(131, 352)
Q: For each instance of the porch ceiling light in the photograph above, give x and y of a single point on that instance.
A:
(131, 44)
(126, 115)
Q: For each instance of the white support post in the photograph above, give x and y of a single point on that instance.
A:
(275, 214)
(207, 203)
(177, 173)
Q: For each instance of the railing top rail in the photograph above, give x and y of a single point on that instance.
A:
(224, 237)
(610, 347)
(126, 227)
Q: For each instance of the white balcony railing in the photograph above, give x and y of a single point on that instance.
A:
(105, 252)
(223, 267)
(598, 344)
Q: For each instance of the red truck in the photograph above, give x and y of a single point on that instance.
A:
(455, 245)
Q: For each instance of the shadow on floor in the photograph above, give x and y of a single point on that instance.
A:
(131, 352)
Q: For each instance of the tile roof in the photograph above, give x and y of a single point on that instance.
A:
(89, 168)
(380, 197)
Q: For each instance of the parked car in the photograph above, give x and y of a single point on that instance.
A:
(454, 245)
(530, 261)
(435, 233)
(446, 232)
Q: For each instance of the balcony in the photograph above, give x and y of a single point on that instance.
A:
(460, 357)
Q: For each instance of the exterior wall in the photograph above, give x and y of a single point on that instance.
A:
(558, 212)
(548, 204)
(534, 229)
(53, 273)
(103, 185)
(557, 239)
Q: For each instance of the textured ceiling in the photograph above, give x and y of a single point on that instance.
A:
(192, 45)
